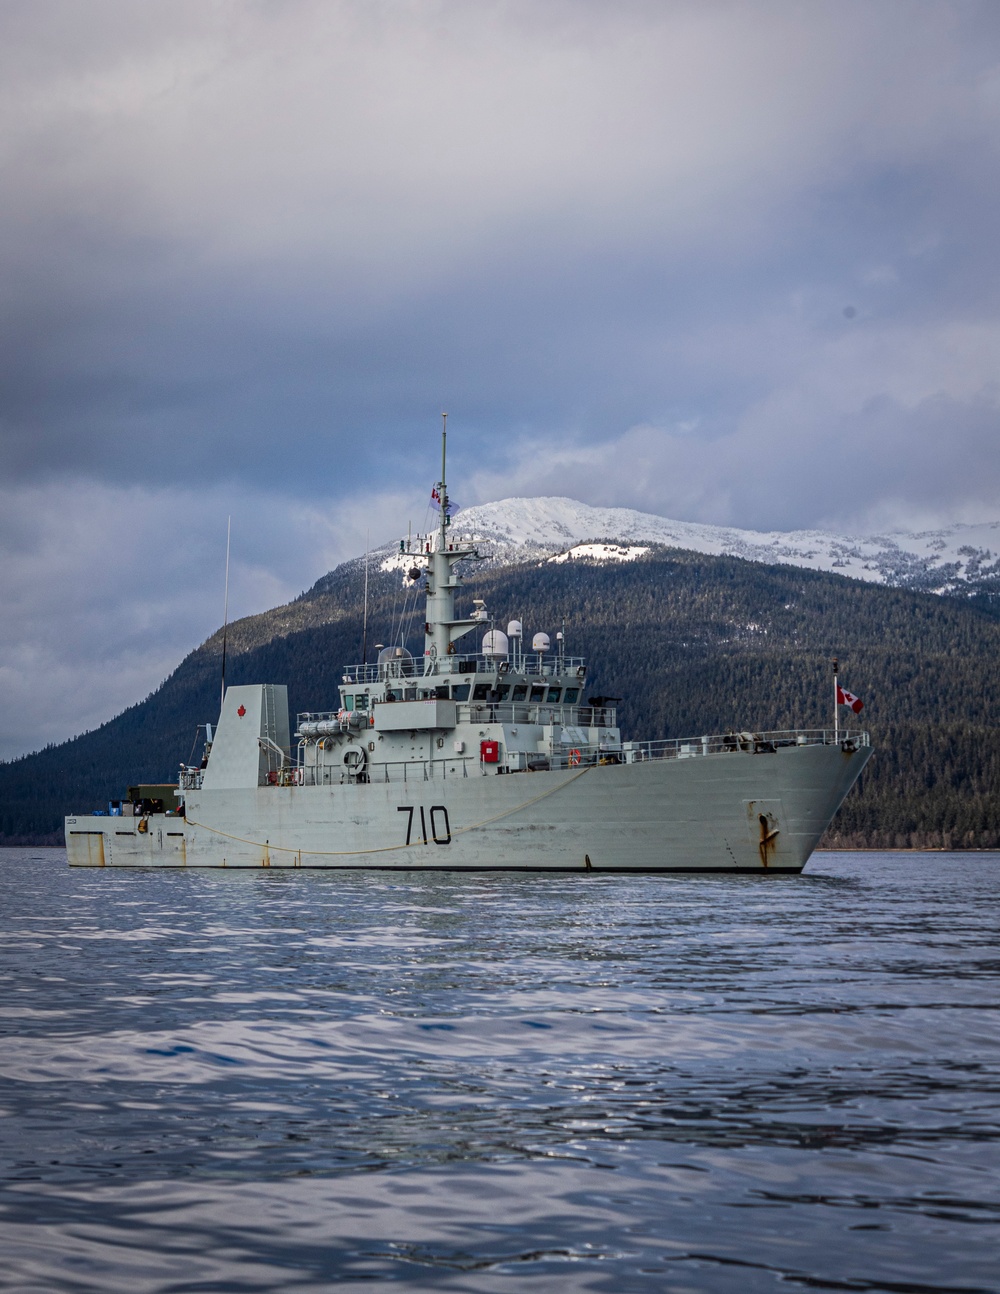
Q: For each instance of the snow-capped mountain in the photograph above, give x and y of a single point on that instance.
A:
(958, 558)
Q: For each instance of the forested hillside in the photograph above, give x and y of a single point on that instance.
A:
(692, 644)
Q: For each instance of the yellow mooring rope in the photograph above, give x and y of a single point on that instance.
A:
(385, 849)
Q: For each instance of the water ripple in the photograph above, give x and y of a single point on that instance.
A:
(249, 1082)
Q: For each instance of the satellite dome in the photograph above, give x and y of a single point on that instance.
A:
(514, 628)
(495, 644)
(393, 653)
(393, 662)
(540, 643)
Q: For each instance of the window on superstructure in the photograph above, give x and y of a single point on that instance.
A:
(537, 692)
(571, 695)
(553, 695)
(460, 692)
(349, 702)
(481, 692)
(503, 691)
(520, 691)
(441, 692)
(361, 701)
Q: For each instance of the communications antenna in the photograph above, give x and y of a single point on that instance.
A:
(364, 628)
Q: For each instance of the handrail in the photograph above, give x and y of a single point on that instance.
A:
(756, 743)
(530, 666)
(541, 712)
(395, 770)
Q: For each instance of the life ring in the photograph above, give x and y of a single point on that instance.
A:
(298, 777)
(574, 758)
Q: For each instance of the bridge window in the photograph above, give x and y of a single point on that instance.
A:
(553, 695)
(537, 692)
(460, 692)
(520, 691)
(572, 695)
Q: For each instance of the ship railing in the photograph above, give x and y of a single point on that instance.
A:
(190, 778)
(747, 743)
(424, 770)
(401, 770)
(486, 711)
(531, 665)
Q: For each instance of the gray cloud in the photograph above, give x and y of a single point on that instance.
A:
(677, 256)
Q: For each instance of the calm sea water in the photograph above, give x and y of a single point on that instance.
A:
(290, 1081)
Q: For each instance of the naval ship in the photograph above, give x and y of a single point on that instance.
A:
(491, 758)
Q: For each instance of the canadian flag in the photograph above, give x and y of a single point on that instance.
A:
(449, 507)
(848, 698)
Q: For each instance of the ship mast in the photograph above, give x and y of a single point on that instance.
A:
(441, 629)
(444, 487)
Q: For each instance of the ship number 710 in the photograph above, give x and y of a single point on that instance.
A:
(439, 824)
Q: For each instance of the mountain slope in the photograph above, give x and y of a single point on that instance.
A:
(958, 558)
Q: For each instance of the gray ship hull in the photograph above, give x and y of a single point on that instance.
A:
(721, 812)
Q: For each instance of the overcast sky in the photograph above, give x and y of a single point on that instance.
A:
(725, 261)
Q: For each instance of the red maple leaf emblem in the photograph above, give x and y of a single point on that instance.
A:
(241, 711)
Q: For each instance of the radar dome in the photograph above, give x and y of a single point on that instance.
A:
(540, 643)
(495, 644)
(514, 628)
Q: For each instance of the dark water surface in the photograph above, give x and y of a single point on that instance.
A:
(290, 1081)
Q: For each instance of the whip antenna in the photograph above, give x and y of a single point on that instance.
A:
(364, 630)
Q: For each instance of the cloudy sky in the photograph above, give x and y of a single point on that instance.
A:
(725, 260)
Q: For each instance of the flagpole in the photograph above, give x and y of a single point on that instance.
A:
(225, 613)
(836, 708)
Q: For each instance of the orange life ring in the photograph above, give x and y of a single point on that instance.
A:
(574, 758)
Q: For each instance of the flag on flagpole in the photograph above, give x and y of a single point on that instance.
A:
(848, 698)
(450, 506)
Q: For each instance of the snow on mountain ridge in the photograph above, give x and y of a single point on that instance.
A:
(958, 557)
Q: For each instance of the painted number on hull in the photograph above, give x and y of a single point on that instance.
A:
(440, 827)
